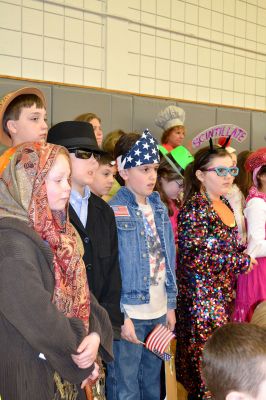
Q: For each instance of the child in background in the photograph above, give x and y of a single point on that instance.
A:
(170, 180)
(235, 195)
(251, 288)
(244, 179)
(109, 143)
(147, 263)
(96, 123)
(22, 119)
(104, 176)
(234, 362)
(170, 187)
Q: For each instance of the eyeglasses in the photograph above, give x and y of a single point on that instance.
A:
(180, 183)
(85, 154)
(224, 171)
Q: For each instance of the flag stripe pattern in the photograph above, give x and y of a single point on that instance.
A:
(159, 339)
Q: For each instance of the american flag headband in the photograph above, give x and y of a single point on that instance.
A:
(144, 151)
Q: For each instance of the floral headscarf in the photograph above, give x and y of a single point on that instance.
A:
(23, 195)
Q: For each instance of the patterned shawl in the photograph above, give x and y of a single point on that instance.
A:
(23, 195)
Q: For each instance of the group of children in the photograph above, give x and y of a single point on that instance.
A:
(110, 247)
(50, 201)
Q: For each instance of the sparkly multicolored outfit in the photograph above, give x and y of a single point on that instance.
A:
(209, 259)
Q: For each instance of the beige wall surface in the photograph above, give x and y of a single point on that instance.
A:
(210, 51)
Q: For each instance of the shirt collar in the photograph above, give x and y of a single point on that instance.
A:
(75, 196)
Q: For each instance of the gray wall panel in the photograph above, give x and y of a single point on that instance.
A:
(131, 112)
(145, 111)
(198, 118)
(122, 111)
(238, 117)
(258, 129)
(68, 103)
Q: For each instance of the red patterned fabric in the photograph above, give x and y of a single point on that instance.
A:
(256, 159)
(24, 196)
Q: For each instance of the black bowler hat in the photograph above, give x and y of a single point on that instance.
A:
(74, 134)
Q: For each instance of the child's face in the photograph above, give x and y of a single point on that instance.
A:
(97, 130)
(103, 180)
(83, 172)
(172, 189)
(141, 180)
(215, 185)
(57, 183)
(30, 127)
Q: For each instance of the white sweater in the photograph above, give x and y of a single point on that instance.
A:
(255, 213)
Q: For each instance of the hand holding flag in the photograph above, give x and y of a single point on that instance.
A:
(158, 340)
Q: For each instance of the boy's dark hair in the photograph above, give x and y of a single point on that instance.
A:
(14, 108)
(202, 159)
(124, 144)
(234, 359)
(106, 159)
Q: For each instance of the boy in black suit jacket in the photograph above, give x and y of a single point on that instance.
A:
(92, 217)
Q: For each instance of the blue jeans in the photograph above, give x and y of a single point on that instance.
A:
(135, 373)
(111, 374)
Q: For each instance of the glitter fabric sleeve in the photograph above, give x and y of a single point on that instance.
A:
(209, 260)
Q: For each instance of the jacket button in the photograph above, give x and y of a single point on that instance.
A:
(142, 233)
(125, 225)
(144, 255)
(145, 278)
(138, 213)
(143, 298)
(86, 240)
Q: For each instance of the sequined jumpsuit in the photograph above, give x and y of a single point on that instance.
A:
(209, 259)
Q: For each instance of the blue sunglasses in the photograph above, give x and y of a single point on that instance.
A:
(224, 171)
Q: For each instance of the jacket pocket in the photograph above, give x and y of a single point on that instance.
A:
(128, 253)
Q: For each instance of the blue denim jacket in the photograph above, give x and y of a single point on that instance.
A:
(133, 248)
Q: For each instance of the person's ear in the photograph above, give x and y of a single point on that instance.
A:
(237, 396)
(124, 174)
(11, 126)
(199, 175)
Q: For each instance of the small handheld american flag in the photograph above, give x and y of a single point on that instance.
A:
(158, 340)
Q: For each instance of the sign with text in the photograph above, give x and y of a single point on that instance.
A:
(217, 131)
